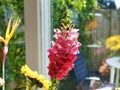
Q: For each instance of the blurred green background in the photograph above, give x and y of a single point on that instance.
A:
(16, 54)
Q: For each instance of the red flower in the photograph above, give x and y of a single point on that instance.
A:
(63, 53)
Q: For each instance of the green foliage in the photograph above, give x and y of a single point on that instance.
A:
(15, 58)
(15, 7)
(16, 54)
(54, 84)
(69, 83)
(2, 17)
(65, 22)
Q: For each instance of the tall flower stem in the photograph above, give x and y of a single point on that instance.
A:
(8, 35)
(4, 53)
(3, 72)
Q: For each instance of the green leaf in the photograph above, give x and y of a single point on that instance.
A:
(23, 85)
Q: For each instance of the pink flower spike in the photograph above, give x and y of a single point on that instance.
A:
(63, 53)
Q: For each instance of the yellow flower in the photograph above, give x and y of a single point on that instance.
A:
(9, 31)
(41, 78)
(113, 42)
(117, 88)
(46, 84)
(28, 72)
(33, 74)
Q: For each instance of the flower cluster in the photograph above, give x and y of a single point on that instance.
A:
(35, 79)
(1, 82)
(113, 43)
(63, 52)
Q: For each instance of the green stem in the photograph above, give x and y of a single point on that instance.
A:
(3, 72)
(53, 85)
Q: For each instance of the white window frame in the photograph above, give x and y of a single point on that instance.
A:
(37, 34)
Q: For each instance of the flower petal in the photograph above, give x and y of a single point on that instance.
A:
(8, 28)
(2, 39)
(13, 29)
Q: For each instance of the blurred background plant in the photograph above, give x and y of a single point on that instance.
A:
(110, 47)
(16, 55)
(113, 44)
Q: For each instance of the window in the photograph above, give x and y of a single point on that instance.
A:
(37, 34)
